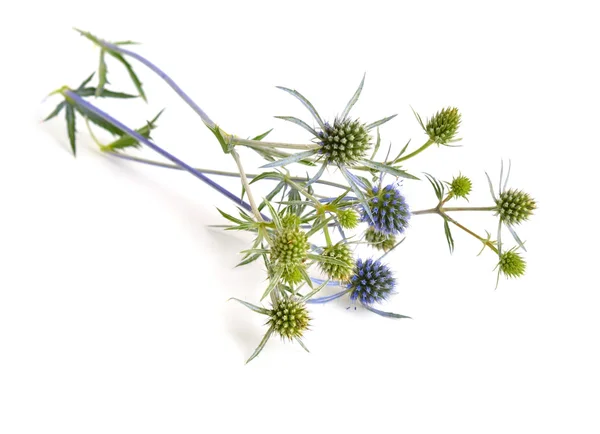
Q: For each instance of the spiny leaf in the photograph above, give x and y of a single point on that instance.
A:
(224, 144)
(271, 195)
(126, 141)
(86, 81)
(273, 283)
(94, 118)
(394, 171)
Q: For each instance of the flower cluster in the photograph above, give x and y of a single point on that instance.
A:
(308, 224)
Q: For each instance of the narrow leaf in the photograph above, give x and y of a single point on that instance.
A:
(86, 81)
(380, 122)
(252, 307)
(306, 104)
(261, 345)
(101, 73)
(262, 136)
(71, 128)
(385, 314)
(353, 99)
(301, 343)
(300, 123)
(359, 194)
(394, 171)
(132, 74)
(273, 283)
(516, 237)
(326, 259)
(56, 111)
(449, 238)
(289, 160)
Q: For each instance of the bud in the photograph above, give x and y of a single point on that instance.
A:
(389, 210)
(372, 282)
(345, 142)
(341, 252)
(289, 250)
(511, 264)
(442, 127)
(380, 240)
(348, 218)
(460, 186)
(514, 206)
(289, 318)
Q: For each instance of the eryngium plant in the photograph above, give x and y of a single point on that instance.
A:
(308, 230)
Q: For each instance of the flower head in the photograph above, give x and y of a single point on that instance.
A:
(460, 186)
(511, 264)
(348, 218)
(340, 251)
(289, 250)
(289, 318)
(344, 142)
(442, 127)
(371, 282)
(514, 206)
(389, 210)
(379, 240)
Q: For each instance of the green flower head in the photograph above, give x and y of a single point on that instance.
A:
(511, 264)
(379, 240)
(514, 206)
(443, 126)
(342, 253)
(289, 318)
(460, 186)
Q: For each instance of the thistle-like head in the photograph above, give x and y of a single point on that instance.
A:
(460, 186)
(342, 253)
(348, 218)
(389, 210)
(289, 318)
(290, 249)
(443, 126)
(511, 264)
(514, 206)
(371, 282)
(344, 142)
(379, 240)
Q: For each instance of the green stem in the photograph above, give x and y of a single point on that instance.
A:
(438, 210)
(485, 241)
(246, 185)
(418, 151)
(327, 237)
(260, 144)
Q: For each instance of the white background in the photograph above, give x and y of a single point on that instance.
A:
(113, 289)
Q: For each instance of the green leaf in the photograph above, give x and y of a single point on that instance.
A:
(418, 116)
(394, 171)
(252, 307)
(91, 91)
(356, 190)
(273, 283)
(224, 144)
(101, 74)
(274, 214)
(56, 111)
(271, 195)
(353, 100)
(71, 128)
(380, 122)
(300, 123)
(132, 75)
(86, 81)
(262, 136)
(316, 228)
(448, 234)
(127, 141)
(261, 345)
(306, 104)
(97, 120)
(377, 145)
(249, 259)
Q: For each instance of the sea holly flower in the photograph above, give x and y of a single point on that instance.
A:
(379, 240)
(511, 264)
(460, 186)
(512, 207)
(289, 249)
(347, 218)
(343, 143)
(288, 318)
(443, 126)
(371, 282)
(340, 251)
(389, 210)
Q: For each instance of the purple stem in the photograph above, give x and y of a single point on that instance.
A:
(83, 103)
(208, 121)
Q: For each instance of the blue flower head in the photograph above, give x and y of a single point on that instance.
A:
(389, 210)
(372, 282)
